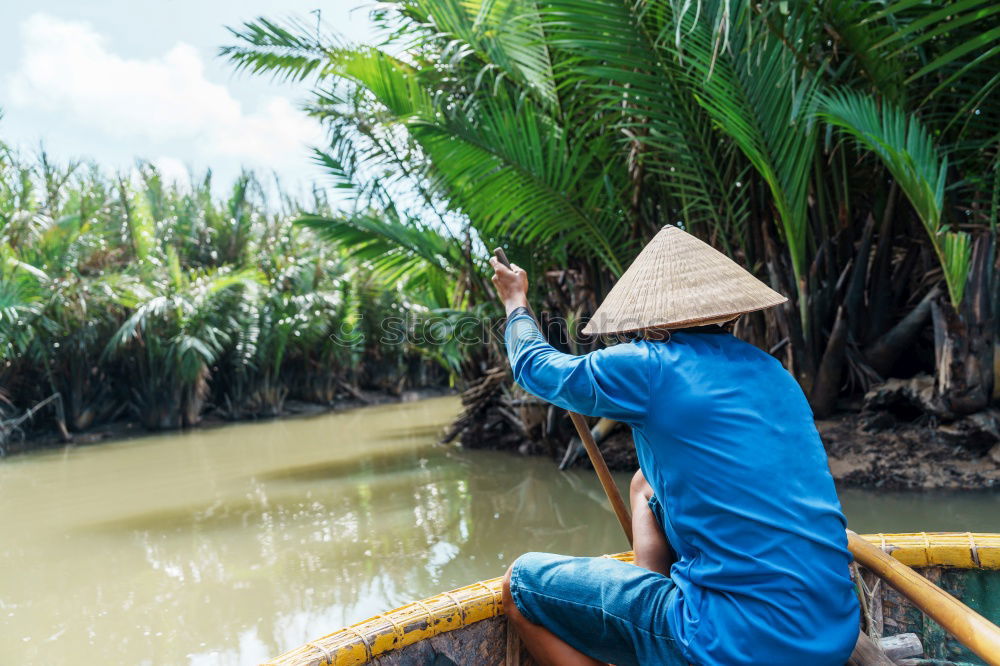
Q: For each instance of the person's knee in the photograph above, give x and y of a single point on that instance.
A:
(640, 488)
(509, 607)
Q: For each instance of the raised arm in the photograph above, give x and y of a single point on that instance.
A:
(612, 382)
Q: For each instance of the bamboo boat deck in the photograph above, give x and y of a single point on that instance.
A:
(423, 621)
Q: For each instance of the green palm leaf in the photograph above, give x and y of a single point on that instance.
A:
(634, 81)
(394, 249)
(906, 148)
(506, 35)
(291, 51)
(501, 160)
(759, 98)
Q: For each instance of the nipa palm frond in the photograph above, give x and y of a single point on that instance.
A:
(906, 148)
(288, 52)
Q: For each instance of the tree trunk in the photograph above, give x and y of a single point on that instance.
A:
(996, 368)
(881, 294)
(193, 399)
(800, 361)
(964, 339)
(882, 353)
(827, 386)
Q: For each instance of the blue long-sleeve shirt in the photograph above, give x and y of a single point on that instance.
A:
(727, 441)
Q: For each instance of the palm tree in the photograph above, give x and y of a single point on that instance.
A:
(179, 326)
(570, 130)
(56, 259)
(130, 294)
(297, 311)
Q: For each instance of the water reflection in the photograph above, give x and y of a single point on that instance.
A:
(916, 511)
(228, 546)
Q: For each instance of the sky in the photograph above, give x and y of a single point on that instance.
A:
(120, 80)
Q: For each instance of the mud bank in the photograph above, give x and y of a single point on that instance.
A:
(45, 437)
(907, 455)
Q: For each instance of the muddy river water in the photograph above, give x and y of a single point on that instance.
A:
(230, 545)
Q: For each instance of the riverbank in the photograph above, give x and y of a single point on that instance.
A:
(887, 439)
(866, 450)
(128, 428)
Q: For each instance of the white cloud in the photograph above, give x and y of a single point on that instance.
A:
(172, 170)
(67, 67)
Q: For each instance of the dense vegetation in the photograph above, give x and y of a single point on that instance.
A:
(132, 298)
(845, 151)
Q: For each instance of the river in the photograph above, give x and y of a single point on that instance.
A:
(233, 544)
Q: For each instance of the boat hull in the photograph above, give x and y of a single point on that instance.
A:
(484, 643)
(893, 614)
(467, 625)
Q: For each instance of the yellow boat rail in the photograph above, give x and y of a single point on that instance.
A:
(420, 620)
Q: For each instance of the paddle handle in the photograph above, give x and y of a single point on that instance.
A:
(603, 474)
(594, 453)
(970, 628)
(501, 256)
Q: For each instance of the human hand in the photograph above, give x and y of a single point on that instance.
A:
(511, 284)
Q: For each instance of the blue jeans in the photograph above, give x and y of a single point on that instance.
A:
(609, 610)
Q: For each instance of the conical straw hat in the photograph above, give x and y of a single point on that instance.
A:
(676, 281)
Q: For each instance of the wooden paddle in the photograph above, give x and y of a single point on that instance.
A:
(594, 453)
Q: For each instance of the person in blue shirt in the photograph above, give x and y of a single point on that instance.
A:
(739, 536)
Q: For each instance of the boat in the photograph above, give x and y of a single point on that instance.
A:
(467, 625)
